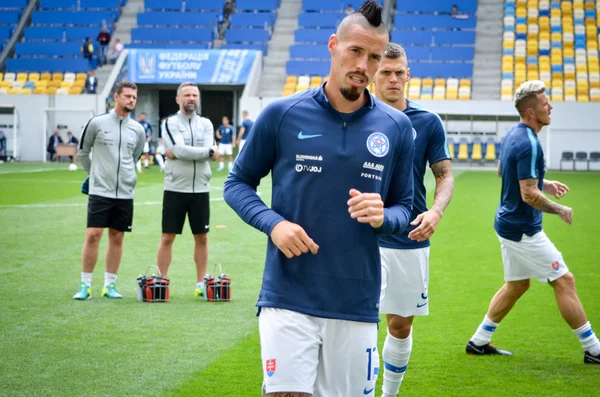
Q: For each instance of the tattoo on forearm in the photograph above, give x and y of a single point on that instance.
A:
(531, 195)
(444, 185)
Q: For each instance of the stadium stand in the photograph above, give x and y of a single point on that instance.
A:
(10, 13)
(440, 48)
(553, 41)
(251, 26)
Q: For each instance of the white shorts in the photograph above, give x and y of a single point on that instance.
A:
(404, 281)
(532, 257)
(225, 149)
(146, 147)
(242, 143)
(320, 356)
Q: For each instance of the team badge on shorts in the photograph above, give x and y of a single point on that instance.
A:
(378, 144)
(271, 366)
(556, 266)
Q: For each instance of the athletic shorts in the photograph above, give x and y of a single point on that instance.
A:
(242, 143)
(225, 149)
(175, 207)
(321, 356)
(109, 212)
(404, 281)
(532, 257)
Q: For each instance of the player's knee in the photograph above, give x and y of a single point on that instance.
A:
(93, 235)
(566, 282)
(519, 287)
(116, 236)
(167, 239)
(399, 327)
(201, 239)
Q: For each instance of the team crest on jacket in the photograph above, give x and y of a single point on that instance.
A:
(378, 144)
(271, 366)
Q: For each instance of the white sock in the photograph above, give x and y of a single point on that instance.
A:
(588, 339)
(161, 161)
(230, 165)
(221, 164)
(138, 166)
(86, 278)
(109, 278)
(396, 353)
(484, 332)
(146, 163)
(200, 284)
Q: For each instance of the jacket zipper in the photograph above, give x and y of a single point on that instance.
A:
(119, 163)
(192, 141)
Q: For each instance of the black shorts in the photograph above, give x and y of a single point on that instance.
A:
(176, 205)
(109, 212)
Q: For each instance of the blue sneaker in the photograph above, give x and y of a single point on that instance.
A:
(110, 291)
(84, 292)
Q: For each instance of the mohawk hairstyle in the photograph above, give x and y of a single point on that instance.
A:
(371, 10)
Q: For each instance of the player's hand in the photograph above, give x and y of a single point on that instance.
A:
(366, 208)
(556, 189)
(215, 155)
(169, 154)
(428, 221)
(292, 240)
(566, 214)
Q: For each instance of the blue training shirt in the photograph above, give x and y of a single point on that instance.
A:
(521, 157)
(316, 155)
(247, 124)
(226, 134)
(147, 127)
(430, 146)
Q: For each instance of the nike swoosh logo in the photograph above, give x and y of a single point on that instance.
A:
(421, 305)
(302, 136)
(367, 392)
(480, 351)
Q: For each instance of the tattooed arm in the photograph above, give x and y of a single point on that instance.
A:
(444, 188)
(531, 195)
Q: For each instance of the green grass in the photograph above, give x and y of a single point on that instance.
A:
(53, 346)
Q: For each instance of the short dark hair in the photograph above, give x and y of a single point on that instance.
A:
(368, 15)
(186, 84)
(394, 51)
(124, 84)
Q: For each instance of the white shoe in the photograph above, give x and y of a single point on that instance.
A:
(220, 168)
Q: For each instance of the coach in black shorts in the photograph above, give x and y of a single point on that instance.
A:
(116, 142)
(189, 145)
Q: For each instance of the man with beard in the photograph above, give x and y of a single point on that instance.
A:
(341, 166)
(116, 141)
(189, 145)
(526, 250)
(405, 258)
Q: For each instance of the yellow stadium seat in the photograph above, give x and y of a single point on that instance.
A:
(521, 28)
(452, 93)
(75, 90)
(451, 149)
(465, 83)
(51, 90)
(506, 91)
(1, 76)
(440, 82)
(14, 91)
(34, 76)
(316, 80)
(291, 79)
(57, 76)
(81, 83)
(5, 84)
(41, 83)
(39, 90)
(415, 81)
(427, 82)
(463, 152)
(555, 13)
(66, 84)
(490, 152)
(83, 76)
(426, 97)
(46, 76)
(508, 44)
(21, 76)
(583, 98)
(477, 154)
(26, 91)
(287, 93)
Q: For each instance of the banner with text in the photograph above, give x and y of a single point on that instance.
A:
(198, 66)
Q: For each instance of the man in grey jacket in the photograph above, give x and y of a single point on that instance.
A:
(116, 142)
(189, 145)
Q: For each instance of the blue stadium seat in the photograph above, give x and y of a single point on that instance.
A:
(170, 46)
(79, 33)
(465, 6)
(9, 17)
(157, 18)
(322, 5)
(204, 5)
(429, 21)
(44, 33)
(319, 19)
(453, 53)
(14, 4)
(243, 35)
(418, 53)
(5, 32)
(309, 51)
(247, 20)
(72, 18)
(237, 46)
(418, 37)
(69, 49)
(188, 35)
(313, 68)
(313, 35)
(163, 5)
(83, 4)
(77, 65)
(445, 70)
(454, 37)
(257, 5)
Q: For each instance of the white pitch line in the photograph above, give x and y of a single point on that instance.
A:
(26, 171)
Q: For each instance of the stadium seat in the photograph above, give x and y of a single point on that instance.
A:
(463, 150)
(477, 151)
(451, 147)
(490, 150)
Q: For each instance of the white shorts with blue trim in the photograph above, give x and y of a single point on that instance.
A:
(321, 356)
(532, 257)
(404, 281)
